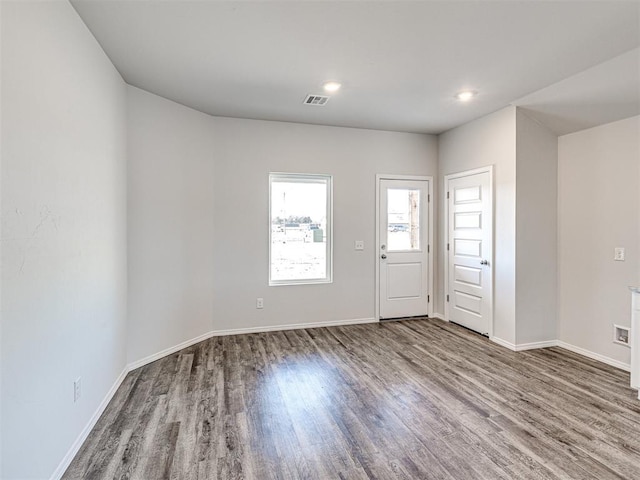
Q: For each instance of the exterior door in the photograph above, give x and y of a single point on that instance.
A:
(470, 250)
(403, 254)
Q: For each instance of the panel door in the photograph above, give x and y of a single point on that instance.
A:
(470, 251)
(403, 254)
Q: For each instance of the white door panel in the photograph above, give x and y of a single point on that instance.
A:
(464, 247)
(467, 220)
(470, 250)
(468, 275)
(403, 251)
(469, 303)
(404, 280)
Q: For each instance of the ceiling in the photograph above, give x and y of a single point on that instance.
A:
(605, 93)
(400, 63)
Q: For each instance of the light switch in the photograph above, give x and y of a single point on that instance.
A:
(359, 244)
(619, 254)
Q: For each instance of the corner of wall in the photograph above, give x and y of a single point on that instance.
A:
(63, 248)
(490, 140)
(536, 231)
(597, 211)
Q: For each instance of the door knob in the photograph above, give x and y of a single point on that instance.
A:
(484, 262)
(383, 256)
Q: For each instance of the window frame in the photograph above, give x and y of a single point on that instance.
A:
(420, 224)
(305, 178)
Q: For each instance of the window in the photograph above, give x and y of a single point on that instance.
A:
(300, 229)
(403, 210)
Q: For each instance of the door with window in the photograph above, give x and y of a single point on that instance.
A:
(469, 249)
(403, 247)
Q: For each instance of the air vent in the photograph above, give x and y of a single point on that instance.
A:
(317, 100)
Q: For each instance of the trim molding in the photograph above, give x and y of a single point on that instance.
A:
(594, 356)
(503, 343)
(293, 326)
(489, 272)
(431, 240)
(75, 447)
(439, 316)
(567, 346)
(524, 346)
(533, 345)
(240, 331)
(167, 351)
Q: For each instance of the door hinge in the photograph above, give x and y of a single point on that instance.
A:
(447, 194)
(447, 247)
(428, 298)
(428, 248)
(428, 198)
(447, 298)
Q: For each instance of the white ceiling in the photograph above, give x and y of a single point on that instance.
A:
(400, 63)
(602, 94)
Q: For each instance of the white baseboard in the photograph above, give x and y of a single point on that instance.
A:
(533, 345)
(293, 326)
(567, 346)
(594, 356)
(75, 447)
(168, 351)
(439, 316)
(66, 461)
(241, 331)
(503, 343)
(524, 346)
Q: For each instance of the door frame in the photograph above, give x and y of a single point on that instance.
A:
(430, 246)
(488, 169)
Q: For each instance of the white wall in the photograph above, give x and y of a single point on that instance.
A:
(536, 231)
(198, 226)
(170, 225)
(198, 238)
(63, 236)
(490, 140)
(248, 151)
(599, 185)
(1, 396)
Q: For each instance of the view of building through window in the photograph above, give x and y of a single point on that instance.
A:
(300, 228)
(403, 220)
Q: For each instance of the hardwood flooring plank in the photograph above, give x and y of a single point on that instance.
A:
(162, 452)
(414, 399)
(134, 458)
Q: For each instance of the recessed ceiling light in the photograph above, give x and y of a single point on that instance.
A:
(331, 86)
(466, 95)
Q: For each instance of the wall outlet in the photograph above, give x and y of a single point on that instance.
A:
(259, 303)
(618, 254)
(359, 245)
(77, 389)
(621, 335)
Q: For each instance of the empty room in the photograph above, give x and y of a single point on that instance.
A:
(319, 239)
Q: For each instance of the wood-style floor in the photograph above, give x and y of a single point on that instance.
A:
(416, 399)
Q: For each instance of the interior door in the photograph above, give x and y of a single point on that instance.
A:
(470, 250)
(403, 247)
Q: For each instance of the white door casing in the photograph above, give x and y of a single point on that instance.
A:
(469, 249)
(404, 237)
